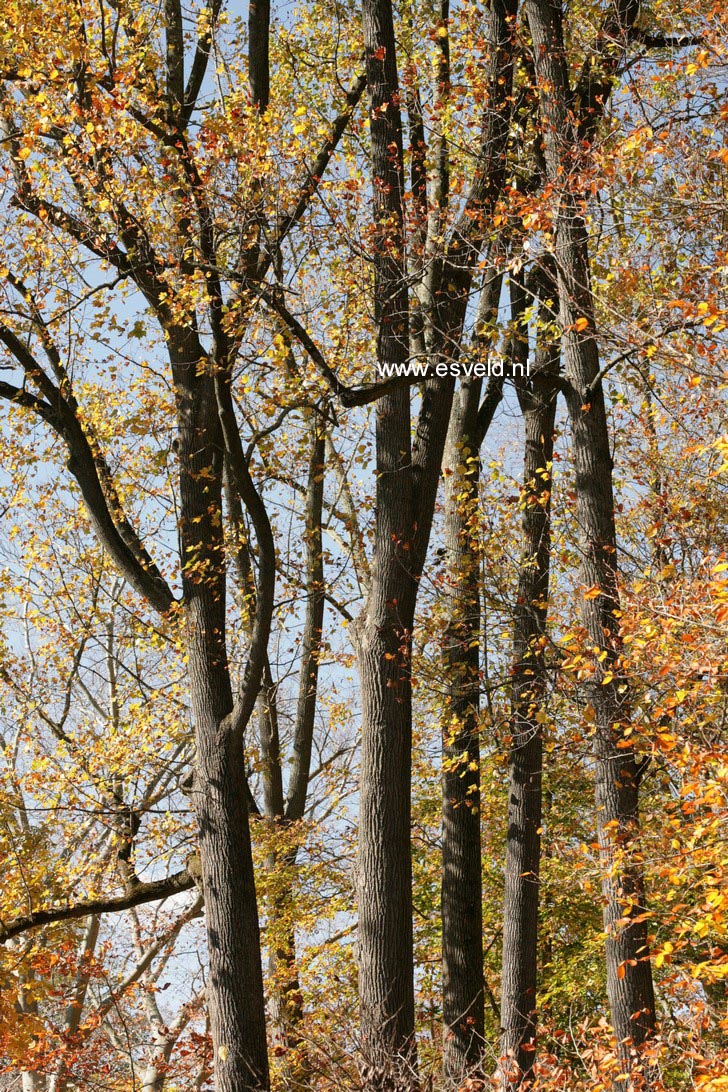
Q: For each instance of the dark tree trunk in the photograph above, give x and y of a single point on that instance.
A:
(235, 988)
(287, 1002)
(629, 977)
(386, 986)
(407, 472)
(462, 903)
(463, 984)
(461, 892)
(312, 627)
(528, 695)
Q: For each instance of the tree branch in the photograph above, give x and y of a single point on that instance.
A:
(347, 396)
(258, 60)
(316, 171)
(92, 475)
(265, 584)
(142, 893)
(200, 60)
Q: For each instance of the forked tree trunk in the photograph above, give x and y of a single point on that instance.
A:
(629, 976)
(407, 468)
(235, 986)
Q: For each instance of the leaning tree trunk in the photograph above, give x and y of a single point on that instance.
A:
(528, 697)
(629, 975)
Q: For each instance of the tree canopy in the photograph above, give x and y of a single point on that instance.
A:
(363, 570)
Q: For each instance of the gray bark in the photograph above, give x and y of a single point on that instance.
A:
(528, 696)
(461, 888)
(386, 988)
(235, 990)
(462, 904)
(629, 977)
(406, 488)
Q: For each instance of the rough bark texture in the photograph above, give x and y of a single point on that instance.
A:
(407, 478)
(461, 877)
(462, 904)
(528, 693)
(386, 987)
(461, 890)
(629, 978)
(235, 990)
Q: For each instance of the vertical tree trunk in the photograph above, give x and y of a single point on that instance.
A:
(629, 976)
(235, 986)
(461, 891)
(384, 634)
(462, 904)
(288, 1001)
(406, 488)
(528, 693)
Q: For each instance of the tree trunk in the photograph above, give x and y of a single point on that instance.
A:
(528, 695)
(461, 890)
(235, 985)
(462, 904)
(407, 472)
(287, 1004)
(386, 987)
(629, 976)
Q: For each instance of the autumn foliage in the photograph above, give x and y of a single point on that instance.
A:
(308, 668)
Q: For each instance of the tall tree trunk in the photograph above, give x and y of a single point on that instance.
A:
(629, 976)
(528, 694)
(462, 903)
(461, 891)
(407, 467)
(385, 867)
(288, 1001)
(235, 985)
(384, 634)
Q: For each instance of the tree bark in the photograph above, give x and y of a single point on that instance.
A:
(406, 488)
(462, 904)
(461, 884)
(386, 987)
(528, 697)
(629, 976)
(235, 987)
